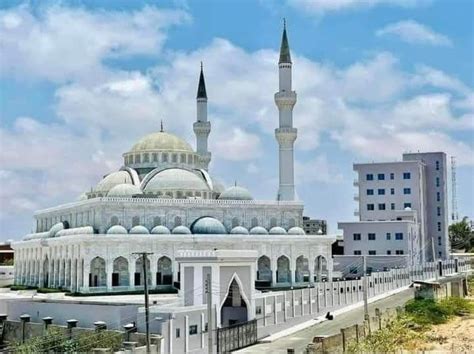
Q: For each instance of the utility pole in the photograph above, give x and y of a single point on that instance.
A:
(366, 296)
(145, 291)
(210, 343)
(434, 257)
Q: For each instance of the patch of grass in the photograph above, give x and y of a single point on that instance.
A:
(22, 287)
(51, 290)
(429, 312)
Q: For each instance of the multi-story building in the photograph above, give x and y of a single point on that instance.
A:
(402, 208)
(314, 226)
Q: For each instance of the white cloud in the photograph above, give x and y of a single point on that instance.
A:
(413, 32)
(316, 170)
(61, 43)
(235, 144)
(319, 7)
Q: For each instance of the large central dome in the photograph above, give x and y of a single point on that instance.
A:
(161, 141)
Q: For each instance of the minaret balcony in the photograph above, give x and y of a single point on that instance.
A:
(202, 128)
(286, 135)
(285, 99)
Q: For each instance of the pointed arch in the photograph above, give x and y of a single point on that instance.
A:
(97, 275)
(164, 272)
(264, 271)
(120, 273)
(235, 306)
(302, 269)
(283, 269)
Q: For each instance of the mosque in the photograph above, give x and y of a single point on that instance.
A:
(163, 200)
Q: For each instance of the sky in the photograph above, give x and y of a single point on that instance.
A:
(82, 81)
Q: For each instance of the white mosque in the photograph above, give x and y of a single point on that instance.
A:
(165, 200)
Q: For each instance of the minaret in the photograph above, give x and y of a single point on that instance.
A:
(202, 127)
(285, 100)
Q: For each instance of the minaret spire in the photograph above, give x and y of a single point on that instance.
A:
(161, 129)
(285, 134)
(202, 127)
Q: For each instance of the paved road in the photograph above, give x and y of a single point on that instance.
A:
(299, 340)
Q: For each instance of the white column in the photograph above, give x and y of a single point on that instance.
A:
(109, 268)
(131, 269)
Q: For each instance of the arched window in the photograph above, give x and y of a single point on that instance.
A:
(291, 223)
(235, 222)
(155, 157)
(264, 271)
(183, 158)
(164, 157)
(139, 276)
(302, 270)
(179, 195)
(283, 270)
(120, 275)
(174, 158)
(156, 221)
(137, 158)
(254, 222)
(177, 221)
(320, 268)
(273, 222)
(190, 159)
(97, 276)
(114, 221)
(164, 274)
(135, 221)
(189, 194)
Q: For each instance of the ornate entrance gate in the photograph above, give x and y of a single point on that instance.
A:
(236, 336)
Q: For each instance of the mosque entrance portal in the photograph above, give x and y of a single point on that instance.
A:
(234, 308)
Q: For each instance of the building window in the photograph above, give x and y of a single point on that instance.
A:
(193, 329)
(438, 209)
(369, 177)
(438, 196)
(437, 165)
(372, 253)
(406, 190)
(371, 237)
(174, 158)
(146, 157)
(407, 205)
(389, 236)
(437, 181)
(439, 226)
(439, 241)
(258, 310)
(389, 252)
(178, 333)
(406, 175)
(392, 191)
(183, 158)
(440, 254)
(357, 252)
(370, 207)
(137, 158)
(381, 206)
(357, 237)
(164, 157)
(381, 191)
(392, 175)
(399, 236)
(399, 252)
(155, 157)
(380, 176)
(370, 192)
(392, 206)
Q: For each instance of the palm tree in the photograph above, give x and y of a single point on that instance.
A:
(461, 236)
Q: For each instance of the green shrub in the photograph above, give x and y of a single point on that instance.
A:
(427, 312)
(22, 287)
(51, 290)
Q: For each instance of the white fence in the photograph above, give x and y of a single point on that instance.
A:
(276, 311)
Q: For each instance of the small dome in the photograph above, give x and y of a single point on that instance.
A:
(161, 141)
(124, 190)
(295, 230)
(175, 179)
(139, 229)
(160, 230)
(117, 230)
(181, 230)
(81, 197)
(113, 179)
(277, 230)
(258, 230)
(236, 193)
(208, 225)
(239, 230)
(407, 209)
(56, 228)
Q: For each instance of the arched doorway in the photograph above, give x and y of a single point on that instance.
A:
(264, 271)
(234, 307)
(98, 275)
(120, 272)
(139, 276)
(46, 273)
(302, 270)
(283, 270)
(164, 273)
(320, 268)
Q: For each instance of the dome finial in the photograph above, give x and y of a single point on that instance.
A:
(284, 23)
(161, 130)
(235, 183)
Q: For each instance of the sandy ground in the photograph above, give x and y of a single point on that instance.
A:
(456, 336)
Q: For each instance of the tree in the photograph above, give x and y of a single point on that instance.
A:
(461, 236)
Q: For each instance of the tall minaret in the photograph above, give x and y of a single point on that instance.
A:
(202, 127)
(285, 100)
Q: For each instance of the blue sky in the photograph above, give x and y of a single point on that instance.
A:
(81, 81)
